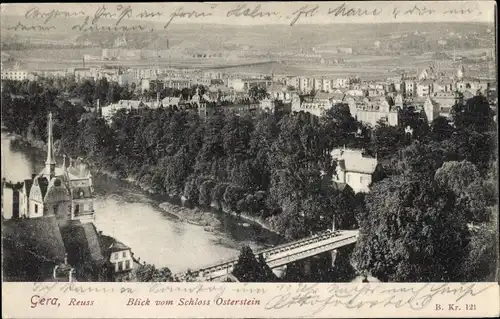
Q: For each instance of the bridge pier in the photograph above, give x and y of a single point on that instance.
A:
(334, 256)
(306, 266)
(280, 272)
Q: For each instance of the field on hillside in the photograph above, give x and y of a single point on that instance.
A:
(366, 66)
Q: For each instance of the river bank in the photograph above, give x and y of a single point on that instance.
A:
(193, 216)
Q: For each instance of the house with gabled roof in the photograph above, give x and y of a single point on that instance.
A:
(439, 104)
(119, 258)
(354, 169)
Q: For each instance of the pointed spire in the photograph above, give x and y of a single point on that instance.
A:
(50, 164)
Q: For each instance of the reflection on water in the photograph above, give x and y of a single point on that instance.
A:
(16, 166)
(134, 217)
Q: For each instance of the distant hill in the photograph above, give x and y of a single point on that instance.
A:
(261, 37)
(440, 56)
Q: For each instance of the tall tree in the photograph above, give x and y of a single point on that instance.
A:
(249, 269)
(474, 114)
(411, 232)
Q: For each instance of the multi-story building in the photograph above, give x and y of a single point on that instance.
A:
(371, 111)
(17, 75)
(237, 85)
(248, 83)
(376, 92)
(202, 81)
(55, 73)
(424, 88)
(316, 105)
(317, 84)
(110, 110)
(444, 85)
(177, 83)
(305, 84)
(83, 73)
(122, 261)
(140, 73)
(439, 104)
(326, 85)
(342, 83)
(410, 88)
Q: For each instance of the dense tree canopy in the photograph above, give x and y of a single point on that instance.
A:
(436, 183)
(404, 229)
(149, 273)
(437, 198)
(463, 179)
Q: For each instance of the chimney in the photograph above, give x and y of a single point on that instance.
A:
(50, 164)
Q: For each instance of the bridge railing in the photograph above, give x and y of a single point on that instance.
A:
(307, 252)
(266, 253)
(285, 259)
(272, 250)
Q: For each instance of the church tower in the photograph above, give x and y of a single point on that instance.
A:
(50, 164)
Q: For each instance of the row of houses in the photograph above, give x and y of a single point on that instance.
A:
(17, 73)
(372, 109)
(306, 84)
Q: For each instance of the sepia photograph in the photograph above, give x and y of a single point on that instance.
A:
(249, 142)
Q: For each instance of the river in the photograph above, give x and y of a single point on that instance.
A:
(134, 217)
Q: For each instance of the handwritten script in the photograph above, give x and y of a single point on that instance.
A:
(312, 299)
(367, 296)
(131, 17)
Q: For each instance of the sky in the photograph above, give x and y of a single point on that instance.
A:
(283, 12)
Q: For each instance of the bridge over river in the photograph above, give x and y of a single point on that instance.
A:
(281, 255)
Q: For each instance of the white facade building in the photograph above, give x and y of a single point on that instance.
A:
(354, 169)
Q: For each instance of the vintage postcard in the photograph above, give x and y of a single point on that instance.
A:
(249, 159)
